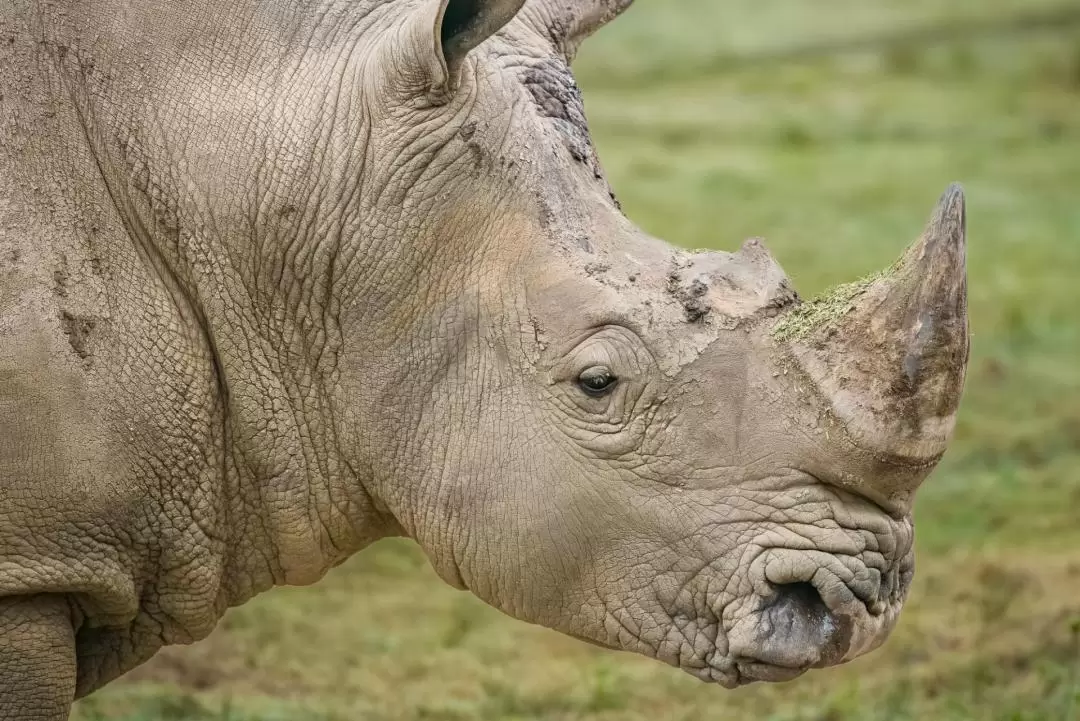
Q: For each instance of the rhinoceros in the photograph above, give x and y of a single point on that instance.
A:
(279, 278)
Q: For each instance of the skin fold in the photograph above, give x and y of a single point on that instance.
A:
(279, 279)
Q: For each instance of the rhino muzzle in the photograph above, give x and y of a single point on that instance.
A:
(812, 610)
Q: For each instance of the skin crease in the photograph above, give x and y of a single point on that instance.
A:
(279, 279)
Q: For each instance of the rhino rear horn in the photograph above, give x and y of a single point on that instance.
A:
(890, 353)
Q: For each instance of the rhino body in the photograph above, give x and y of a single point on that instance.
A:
(279, 278)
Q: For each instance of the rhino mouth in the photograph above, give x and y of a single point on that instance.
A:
(809, 610)
(795, 631)
(781, 629)
(802, 610)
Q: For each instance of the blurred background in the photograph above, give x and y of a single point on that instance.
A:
(829, 127)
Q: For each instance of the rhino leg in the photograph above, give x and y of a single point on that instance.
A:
(37, 659)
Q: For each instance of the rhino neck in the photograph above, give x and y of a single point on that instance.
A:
(255, 342)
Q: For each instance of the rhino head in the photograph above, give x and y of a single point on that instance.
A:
(430, 318)
(650, 449)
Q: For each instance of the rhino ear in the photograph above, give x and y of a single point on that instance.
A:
(464, 24)
(439, 36)
(569, 23)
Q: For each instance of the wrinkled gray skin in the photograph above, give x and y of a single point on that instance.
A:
(280, 278)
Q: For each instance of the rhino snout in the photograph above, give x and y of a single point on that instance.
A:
(798, 631)
(812, 610)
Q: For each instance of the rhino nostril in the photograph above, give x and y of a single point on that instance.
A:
(801, 597)
(793, 628)
(798, 630)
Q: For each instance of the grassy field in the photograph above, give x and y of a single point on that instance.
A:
(836, 160)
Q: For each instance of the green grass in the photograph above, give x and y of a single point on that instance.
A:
(837, 161)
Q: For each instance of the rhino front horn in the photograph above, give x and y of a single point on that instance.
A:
(889, 353)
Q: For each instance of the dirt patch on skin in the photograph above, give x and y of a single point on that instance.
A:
(467, 133)
(77, 329)
(61, 277)
(691, 297)
(558, 98)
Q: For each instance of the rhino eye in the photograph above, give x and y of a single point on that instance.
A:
(597, 381)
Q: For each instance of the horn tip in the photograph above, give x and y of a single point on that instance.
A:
(951, 213)
(955, 189)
